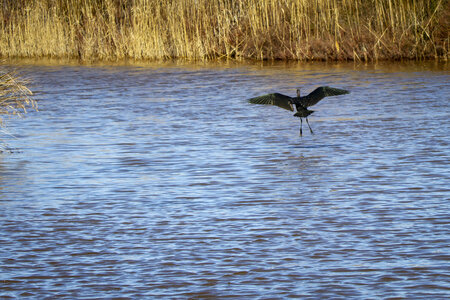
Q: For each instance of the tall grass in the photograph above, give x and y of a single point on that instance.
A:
(15, 97)
(205, 29)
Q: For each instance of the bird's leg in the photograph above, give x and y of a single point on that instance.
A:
(309, 126)
(301, 123)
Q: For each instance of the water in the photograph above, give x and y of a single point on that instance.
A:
(161, 181)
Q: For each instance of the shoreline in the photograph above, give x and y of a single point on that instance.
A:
(432, 64)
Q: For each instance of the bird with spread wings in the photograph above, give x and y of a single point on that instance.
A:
(301, 103)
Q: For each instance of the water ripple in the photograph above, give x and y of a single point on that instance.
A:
(161, 181)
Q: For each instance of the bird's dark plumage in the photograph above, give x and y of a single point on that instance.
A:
(318, 94)
(277, 99)
(301, 103)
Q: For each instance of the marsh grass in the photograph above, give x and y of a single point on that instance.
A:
(15, 97)
(204, 29)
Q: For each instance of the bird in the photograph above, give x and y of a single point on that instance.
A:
(301, 103)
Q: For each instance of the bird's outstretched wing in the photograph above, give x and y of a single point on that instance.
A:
(318, 94)
(277, 99)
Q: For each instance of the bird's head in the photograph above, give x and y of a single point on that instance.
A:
(298, 93)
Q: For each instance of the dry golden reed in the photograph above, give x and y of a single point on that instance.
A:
(15, 97)
(205, 29)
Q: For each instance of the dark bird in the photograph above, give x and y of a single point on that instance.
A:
(301, 103)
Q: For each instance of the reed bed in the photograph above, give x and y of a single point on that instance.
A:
(204, 29)
(15, 97)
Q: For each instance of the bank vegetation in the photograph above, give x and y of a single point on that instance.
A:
(247, 29)
(15, 97)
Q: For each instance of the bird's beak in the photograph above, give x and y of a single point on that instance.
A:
(292, 106)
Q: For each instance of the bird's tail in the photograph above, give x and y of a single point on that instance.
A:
(303, 113)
